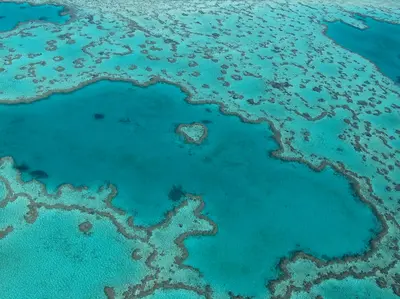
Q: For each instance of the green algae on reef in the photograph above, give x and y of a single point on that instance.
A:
(12, 14)
(251, 195)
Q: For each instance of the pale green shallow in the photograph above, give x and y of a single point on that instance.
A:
(174, 294)
(3, 190)
(62, 261)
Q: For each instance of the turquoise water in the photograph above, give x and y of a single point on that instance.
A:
(52, 259)
(176, 294)
(11, 14)
(349, 288)
(380, 43)
(2, 191)
(264, 208)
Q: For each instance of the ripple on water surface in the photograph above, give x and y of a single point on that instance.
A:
(11, 14)
(264, 208)
(379, 43)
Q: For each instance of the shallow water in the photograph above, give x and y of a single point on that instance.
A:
(379, 43)
(11, 14)
(349, 288)
(264, 208)
(2, 191)
(52, 259)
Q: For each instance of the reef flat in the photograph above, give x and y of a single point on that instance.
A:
(265, 62)
(378, 42)
(349, 287)
(193, 133)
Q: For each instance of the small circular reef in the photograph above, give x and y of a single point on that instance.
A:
(193, 133)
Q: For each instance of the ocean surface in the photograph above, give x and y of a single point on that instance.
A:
(379, 43)
(12, 14)
(114, 132)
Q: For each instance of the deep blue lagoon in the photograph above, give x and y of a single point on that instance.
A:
(379, 43)
(11, 14)
(264, 208)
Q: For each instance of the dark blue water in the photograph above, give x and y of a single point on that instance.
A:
(380, 43)
(11, 14)
(264, 208)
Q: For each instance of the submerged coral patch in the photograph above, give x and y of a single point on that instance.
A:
(176, 193)
(39, 174)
